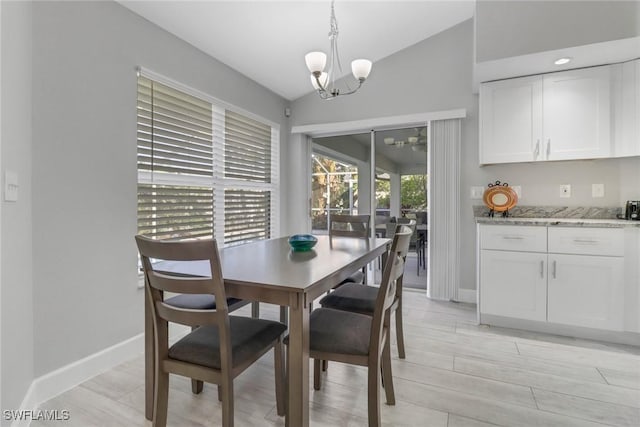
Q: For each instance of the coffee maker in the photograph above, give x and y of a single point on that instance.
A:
(632, 210)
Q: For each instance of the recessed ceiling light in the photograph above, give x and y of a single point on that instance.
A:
(562, 61)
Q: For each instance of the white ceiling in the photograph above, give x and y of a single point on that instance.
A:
(267, 40)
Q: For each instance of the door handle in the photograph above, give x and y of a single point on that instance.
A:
(512, 237)
(548, 148)
(554, 269)
(542, 269)
(536, 153)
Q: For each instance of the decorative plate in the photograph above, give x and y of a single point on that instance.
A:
(499, 197)
(302, 242)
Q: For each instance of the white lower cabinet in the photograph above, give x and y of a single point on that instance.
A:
(586, 291)
(564, 276)
(514, 284)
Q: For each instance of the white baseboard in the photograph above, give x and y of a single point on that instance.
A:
(54, 383)
(57, 382)
(467, 295)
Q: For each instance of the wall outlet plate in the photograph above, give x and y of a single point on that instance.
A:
(477, 192)
(597, 190)
(565, 191)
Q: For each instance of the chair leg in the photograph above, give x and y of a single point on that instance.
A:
(219, 393)
(284, 315)
(278, 355)
(387, 376)
(161, 399)
(373, 394)
(316, 374)
(400, 330)
(325, 365)
(255, 309)
(196, 386)
(227, 401)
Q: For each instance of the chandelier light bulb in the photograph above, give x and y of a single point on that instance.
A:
(316, 61)
(389, 141)
(361, 68)
(413, 140)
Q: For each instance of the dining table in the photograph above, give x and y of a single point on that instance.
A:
(270, 271)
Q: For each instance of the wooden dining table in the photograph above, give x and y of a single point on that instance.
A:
(269, 271)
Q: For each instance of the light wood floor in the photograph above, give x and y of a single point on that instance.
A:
(456, 374)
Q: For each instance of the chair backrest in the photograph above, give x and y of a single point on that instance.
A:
(392, 271)
(411, 223)
(349, 225)
(157, 282)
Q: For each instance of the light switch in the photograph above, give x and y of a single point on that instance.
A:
(565, 191)
(10, 186)
(597, 190)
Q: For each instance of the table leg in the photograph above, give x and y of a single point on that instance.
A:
(149, 367)
(298, 362)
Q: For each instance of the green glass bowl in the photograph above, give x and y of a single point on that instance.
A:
(302, 242)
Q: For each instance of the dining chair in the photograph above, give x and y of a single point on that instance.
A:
(360, 339)
(351, 226)
(221, 347)
(362, 299)
(415, 244)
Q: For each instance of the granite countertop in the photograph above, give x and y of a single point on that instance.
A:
(557, 216)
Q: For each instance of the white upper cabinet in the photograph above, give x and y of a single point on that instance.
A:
(511, 120)
(557, 116)
(626, 105)
(577, 111)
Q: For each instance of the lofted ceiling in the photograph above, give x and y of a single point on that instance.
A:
(267, 40)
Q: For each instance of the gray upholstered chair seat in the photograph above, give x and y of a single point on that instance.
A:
(352, 297)
(357, 277)
(248, 337)
(198, 301)
(335, 331)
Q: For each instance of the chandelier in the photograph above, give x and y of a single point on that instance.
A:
(325, 82)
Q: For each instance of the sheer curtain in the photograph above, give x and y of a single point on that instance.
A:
(444, 209)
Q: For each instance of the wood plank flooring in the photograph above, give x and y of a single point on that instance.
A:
(456, 374)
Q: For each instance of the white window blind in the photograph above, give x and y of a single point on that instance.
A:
(204, 169)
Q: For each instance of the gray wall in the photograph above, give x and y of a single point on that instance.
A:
(436, 75)
(512, 28)
(16, 262)
(84, 166)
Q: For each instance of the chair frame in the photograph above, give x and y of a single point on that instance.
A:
(156, 283)
(378, 361)
(350, 220)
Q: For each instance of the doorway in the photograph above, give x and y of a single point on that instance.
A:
(394, 163)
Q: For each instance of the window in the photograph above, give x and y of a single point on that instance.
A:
(204, 169)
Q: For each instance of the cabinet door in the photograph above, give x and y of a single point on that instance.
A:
(586, 291)
(577, 114)
(511, 120)
(513, 284)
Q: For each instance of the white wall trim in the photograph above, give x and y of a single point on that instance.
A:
(57, 382)
(467, 295)
(379, 123)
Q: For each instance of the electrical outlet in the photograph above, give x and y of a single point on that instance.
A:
(565, 190)
(597, 190)
(477, 192)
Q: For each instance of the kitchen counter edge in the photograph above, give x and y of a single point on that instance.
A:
(561, 222)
